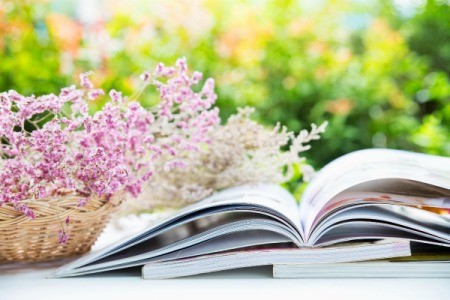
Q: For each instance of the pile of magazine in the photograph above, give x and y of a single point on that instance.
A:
(376, 213)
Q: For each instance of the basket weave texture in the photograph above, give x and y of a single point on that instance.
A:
(24, 239)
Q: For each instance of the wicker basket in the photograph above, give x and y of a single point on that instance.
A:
(23, 239)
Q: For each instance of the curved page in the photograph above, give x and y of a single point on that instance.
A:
(367, 165)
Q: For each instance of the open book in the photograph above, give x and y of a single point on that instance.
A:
(365, 205)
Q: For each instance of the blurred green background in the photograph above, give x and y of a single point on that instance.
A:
(378, 71)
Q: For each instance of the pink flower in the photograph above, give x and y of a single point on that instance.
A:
(116, 97)
(95, 93)
(82, 202)
(85, 82)
(62, 237)
(98, 155)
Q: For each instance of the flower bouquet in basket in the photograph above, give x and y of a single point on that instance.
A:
(63, 170)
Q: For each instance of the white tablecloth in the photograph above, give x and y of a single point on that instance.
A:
(255, 283)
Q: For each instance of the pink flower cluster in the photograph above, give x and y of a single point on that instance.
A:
(51, 143)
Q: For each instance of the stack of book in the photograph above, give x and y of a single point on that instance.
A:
(371, 213)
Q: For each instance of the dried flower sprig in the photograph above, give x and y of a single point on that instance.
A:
(240, 152)
(51, 143)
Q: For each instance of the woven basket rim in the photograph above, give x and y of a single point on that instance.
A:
(68, 201)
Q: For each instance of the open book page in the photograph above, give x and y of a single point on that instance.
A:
(374, 221)
(388, 191)
(369, 165)
(263, 199)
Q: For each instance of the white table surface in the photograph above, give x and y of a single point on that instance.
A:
(27, 281)
(254, 283)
